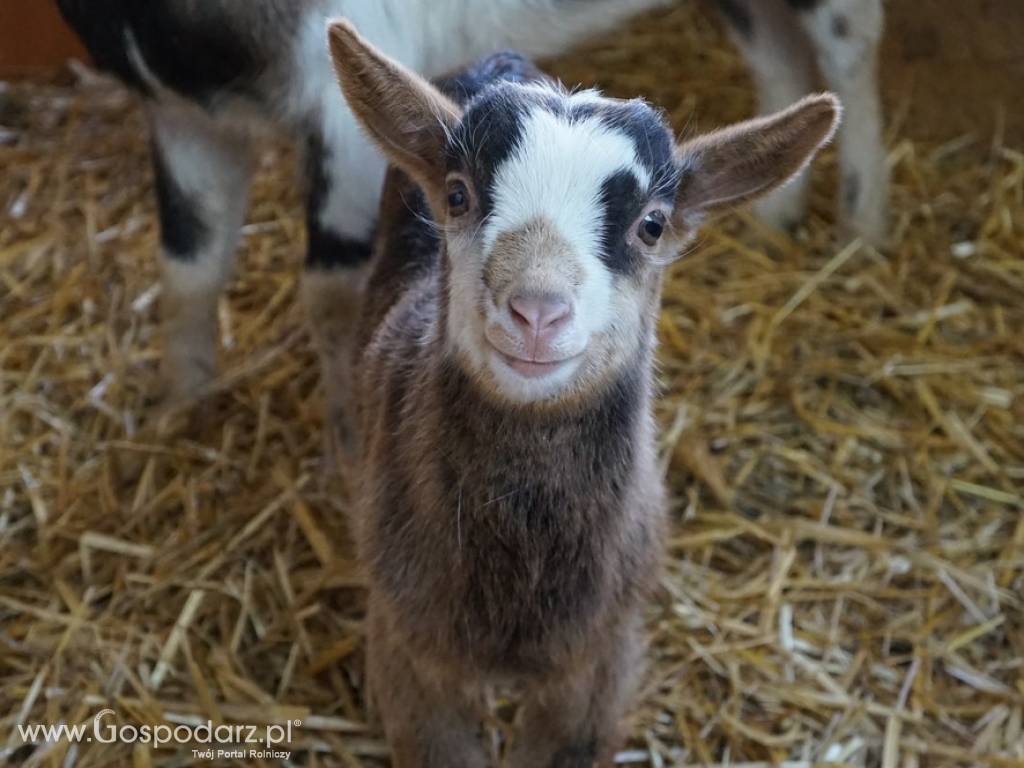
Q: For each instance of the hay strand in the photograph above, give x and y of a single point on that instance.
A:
(842, 435)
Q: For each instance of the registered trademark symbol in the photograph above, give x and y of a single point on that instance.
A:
(296, 723)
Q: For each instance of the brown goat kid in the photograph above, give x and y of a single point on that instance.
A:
(511, 511)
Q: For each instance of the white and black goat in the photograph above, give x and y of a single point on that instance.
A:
(207, 67)
(510, 507)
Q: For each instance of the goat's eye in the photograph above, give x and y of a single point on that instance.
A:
(651, 227)
(458, 198)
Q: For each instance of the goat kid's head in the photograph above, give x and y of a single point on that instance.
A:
(559, 210)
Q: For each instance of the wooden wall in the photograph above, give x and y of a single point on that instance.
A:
(33, 37)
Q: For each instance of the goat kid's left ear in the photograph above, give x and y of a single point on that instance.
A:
(405, 115)
(740, 163)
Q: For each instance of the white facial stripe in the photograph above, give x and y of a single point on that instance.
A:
(556, 173)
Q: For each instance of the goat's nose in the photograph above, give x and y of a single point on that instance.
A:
(539, 313)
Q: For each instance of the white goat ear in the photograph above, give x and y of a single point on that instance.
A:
(737, 164)
(405, 115)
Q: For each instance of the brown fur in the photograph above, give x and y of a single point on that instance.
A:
(526, 557)
(510, 542)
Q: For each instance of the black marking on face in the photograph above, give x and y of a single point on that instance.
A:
(182, 229)
(488, 134)
(738, 15)
(326, 248)
(21, 754)
(648, 130)
(621, 196)
(491, 130)
(622, 202)
(491, 126)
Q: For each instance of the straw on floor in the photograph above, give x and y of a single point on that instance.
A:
(843, 430)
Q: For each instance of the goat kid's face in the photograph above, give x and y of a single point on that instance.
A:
(556, 217)
(559, 210)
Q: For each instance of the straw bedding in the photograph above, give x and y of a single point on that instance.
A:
(843, 436)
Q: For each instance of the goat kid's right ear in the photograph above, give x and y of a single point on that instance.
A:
(405, 115)
(740, 163)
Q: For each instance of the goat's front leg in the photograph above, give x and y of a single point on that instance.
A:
(431, 719)
(846, 35)
(574, 721)
(201, 174)
(344, 176)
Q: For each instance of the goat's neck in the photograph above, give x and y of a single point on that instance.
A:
(587, 449)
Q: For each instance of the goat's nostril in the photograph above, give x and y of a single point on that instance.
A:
(538, 312)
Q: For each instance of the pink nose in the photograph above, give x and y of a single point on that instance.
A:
(539, 315)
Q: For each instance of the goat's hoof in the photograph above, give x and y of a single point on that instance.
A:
(184, 402)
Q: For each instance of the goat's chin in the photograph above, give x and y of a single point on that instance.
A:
(573, 383)
(521, 381)
(506, 380)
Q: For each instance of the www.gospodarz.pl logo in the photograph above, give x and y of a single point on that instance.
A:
(208, 740)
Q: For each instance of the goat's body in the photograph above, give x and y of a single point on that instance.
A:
(267, 59)
(502, 543)
(510, 508)
(520, 533)
(206, 48)
(213, 51)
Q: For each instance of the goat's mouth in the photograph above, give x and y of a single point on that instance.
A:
(535, 369)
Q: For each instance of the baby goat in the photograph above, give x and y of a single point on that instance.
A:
(510, 511)
(206, 69)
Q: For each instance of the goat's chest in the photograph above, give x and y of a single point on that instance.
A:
(531, 575)
(512, 580)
